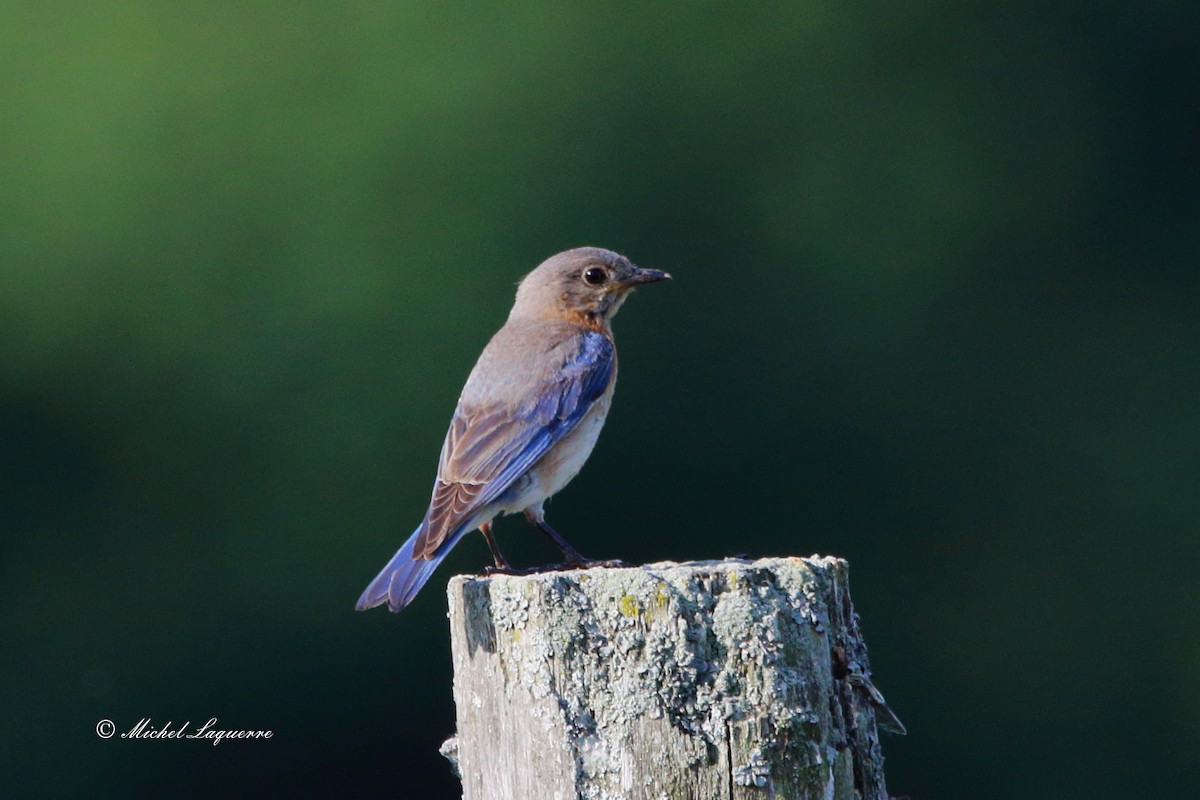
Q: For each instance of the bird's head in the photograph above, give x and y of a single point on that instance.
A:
(587, 285)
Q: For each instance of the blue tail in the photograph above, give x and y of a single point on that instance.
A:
(398, 583)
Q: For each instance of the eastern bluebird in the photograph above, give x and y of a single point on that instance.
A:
(528, 416)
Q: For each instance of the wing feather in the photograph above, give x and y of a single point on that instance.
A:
(489, 447)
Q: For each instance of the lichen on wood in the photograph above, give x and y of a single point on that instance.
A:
(730, 679)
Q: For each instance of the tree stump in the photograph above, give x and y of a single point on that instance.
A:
(731, 679)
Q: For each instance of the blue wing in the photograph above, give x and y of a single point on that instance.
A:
(486, 450)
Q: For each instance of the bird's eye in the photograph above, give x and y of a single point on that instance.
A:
(595, 276)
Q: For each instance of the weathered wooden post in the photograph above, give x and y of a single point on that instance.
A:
(725, 679)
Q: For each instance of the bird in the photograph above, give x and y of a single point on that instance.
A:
(527, 418)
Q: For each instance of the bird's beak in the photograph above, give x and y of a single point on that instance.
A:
(641, 276)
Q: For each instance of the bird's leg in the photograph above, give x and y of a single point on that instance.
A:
(574, 559)
(572, 555)
(502, 564)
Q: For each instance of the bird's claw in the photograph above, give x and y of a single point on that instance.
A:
(583, 563)
(503, 570)
(586, 563)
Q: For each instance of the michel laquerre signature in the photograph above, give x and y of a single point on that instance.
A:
(146, 729)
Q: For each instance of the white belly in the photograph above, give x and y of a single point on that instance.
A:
(563, 461)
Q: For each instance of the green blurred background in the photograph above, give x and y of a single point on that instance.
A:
(936, 310)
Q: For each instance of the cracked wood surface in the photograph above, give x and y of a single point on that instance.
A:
(735, 679)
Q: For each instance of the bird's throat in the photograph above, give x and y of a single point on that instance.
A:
(592, 320)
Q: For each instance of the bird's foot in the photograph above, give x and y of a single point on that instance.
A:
(585, 563)
(506, 569)
(582, 563)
